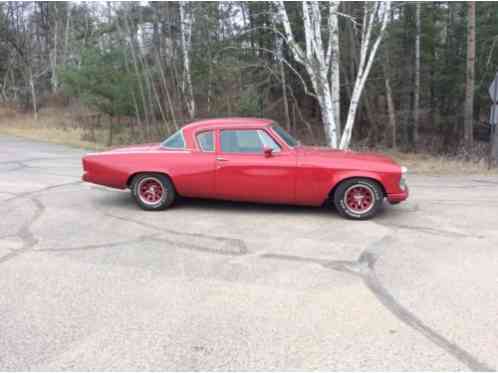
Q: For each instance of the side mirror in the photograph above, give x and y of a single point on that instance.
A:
(267, 152)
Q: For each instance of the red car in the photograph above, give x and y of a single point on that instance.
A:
(248, 159)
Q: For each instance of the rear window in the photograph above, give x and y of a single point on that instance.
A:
(175, 141)
(206, 141)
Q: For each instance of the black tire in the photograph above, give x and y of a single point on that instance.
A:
(153, 191)
(358, 198)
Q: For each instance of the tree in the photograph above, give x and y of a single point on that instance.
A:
(316, 57)
(186, 43)
(103, 82)
(335, 73)
(469, 85)
(307, 65)
(368, 50)
(416, 100)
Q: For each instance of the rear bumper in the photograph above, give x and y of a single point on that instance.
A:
(86, 178)
(398, 197)
(101, 181)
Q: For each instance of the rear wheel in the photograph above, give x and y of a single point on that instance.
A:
(358, 198)
(153, 191)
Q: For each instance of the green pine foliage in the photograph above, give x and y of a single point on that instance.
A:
(102, 81)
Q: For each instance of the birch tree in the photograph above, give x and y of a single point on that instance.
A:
(368, 50)
(53, 53)
(416, 103)
(316, 57)
(186, 45)
(335, 64)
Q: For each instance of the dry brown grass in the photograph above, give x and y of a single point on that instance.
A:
(57, 126)
(53, 125)
(440, 165)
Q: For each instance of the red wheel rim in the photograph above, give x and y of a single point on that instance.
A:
(359, 198)
(150, 191)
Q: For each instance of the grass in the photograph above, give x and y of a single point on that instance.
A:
(52, 126)
(71, 137)
(440, 165)
(57, 126)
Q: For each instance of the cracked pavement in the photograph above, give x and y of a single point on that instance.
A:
(91, 282)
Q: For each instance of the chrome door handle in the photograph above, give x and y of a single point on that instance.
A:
(221, 159)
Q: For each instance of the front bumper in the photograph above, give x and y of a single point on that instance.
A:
(398, 197)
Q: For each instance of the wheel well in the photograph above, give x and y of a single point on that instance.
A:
(132, 176)
(331, 193)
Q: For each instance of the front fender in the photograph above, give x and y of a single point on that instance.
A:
(340, 176)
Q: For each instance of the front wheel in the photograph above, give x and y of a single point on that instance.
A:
(358, 198)
(153, 191)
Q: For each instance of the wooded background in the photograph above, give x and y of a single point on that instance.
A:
(408, 75)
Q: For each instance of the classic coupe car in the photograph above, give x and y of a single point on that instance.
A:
(248, 159)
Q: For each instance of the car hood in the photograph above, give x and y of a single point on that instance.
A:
(322, 152)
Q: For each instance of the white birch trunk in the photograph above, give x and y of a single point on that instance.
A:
(66, 33)
(328, 116)
(335, 85)
(53, 55)
(367, 56)
(186, 43)
(315, 58)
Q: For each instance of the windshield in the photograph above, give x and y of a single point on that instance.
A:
(289, 140)
(175, 141)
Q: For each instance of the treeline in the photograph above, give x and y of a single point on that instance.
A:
(402, 74)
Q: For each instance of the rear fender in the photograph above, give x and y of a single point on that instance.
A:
(147, 171)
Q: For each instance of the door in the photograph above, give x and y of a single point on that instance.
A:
(245, 173)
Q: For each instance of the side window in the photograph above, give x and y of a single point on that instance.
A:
(206, 141)
(175, 141)
(267, 141)
(240, 141)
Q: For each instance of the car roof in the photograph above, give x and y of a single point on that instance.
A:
(234, 122)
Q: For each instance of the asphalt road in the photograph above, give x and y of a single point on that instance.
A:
(89, 281)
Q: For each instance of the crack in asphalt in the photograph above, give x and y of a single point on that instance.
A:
(96, 246)
(141, 239)
(459, 202)
(20, 161)
(24, 233)
(9, 193)
(364, 268)
(19, 166)
(489, 182)
(41, 190)
(239, 245)
(23, 164)
(434, 231)
(43, 170)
